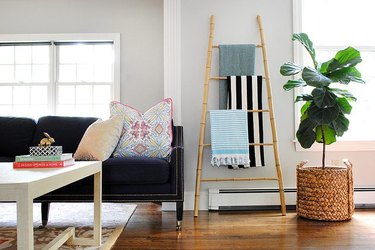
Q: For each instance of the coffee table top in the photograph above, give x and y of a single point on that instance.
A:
(8, 175)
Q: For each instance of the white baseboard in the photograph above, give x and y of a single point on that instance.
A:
(363, 197)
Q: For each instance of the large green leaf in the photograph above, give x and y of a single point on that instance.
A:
(344, 93)
(304, 97)
(323, 115)
(305, 107)
(289, 69)
(291, 84)
(328, 132)
(346, 75)
(324, 66)
(304, 39)
(344, 105)
(340, 125)
(348, 57)
(314, 78)
(323, 97)
(305, 133)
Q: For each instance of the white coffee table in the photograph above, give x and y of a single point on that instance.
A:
(24, 185)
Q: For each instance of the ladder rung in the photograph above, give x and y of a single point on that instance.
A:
(250, 110)
(241, 179)
(250, 144)
(218, 77)
(217, 46)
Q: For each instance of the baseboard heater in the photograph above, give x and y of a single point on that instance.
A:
(268, 198)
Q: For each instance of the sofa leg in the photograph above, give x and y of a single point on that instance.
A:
(45, 213)
(179, 213)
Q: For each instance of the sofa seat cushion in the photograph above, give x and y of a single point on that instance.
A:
(135, 170)
(16, 134)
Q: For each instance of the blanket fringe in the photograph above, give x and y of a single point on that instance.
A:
(230, 160)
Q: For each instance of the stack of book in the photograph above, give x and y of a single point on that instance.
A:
(43, 161)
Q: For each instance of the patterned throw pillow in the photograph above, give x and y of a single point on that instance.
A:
(148, 134)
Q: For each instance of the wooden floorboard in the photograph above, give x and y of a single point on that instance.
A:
(150, 228)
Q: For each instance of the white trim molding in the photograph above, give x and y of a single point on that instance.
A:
(172, 55)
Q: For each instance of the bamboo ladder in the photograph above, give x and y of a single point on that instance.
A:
(202, 145)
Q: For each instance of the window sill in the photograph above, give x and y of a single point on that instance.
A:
(344, 146)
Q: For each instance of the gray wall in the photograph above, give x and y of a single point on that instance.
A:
(236, 23)
(140, 23)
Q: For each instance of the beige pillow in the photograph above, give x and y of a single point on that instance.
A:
(99, 140)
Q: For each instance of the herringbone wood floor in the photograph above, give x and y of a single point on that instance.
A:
(150, 228)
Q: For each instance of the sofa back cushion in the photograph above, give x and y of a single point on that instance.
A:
(16, 134)
(67, 131)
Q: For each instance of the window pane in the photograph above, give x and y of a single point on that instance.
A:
(21, 94)
(66, 94)
(67, 54)
(22, 110)
(66, 110)
(6, 73)
(84, 94)
(84, 53)
(348, 30)
(103, 54)
(85, 73)
(40, 73)
(84, 110)
(6, 110)
(101, 111)
(103, 73)
(67, 73)
(23, 54)
(367, 65)
(37, 111)
(40, 54)
(5, 94)
(39, 95)
(23, 73)
(102, 94)
(6, 54)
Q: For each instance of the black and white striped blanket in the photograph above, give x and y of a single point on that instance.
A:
(245, 92)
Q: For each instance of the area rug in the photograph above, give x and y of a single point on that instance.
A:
(63, 215)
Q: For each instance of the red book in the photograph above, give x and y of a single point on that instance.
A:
(43, 164)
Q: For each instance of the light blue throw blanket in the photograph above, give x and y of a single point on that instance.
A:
(229, 137)
(235, 60)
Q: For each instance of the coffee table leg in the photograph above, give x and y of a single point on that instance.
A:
(25, 231)
(98, 208)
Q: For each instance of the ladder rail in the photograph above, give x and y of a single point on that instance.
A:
(203, 116)
(202, 145)
(272, 117)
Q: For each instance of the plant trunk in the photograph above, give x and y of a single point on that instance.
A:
(324, 150)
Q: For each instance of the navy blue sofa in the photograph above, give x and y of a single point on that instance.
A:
(134, 179)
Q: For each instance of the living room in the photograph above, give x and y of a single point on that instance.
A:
(160, 51)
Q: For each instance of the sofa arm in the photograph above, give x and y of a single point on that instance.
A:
(178, 137)
(177, 162)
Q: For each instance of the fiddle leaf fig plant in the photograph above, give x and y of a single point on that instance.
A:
(323, 115)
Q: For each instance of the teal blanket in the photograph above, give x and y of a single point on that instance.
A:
(235, 60)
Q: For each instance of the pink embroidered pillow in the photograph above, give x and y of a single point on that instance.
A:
(148, 134)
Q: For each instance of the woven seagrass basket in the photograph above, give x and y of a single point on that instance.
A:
(325, 194)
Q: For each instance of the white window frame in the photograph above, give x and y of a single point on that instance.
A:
(115, 37)
(346, 145)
